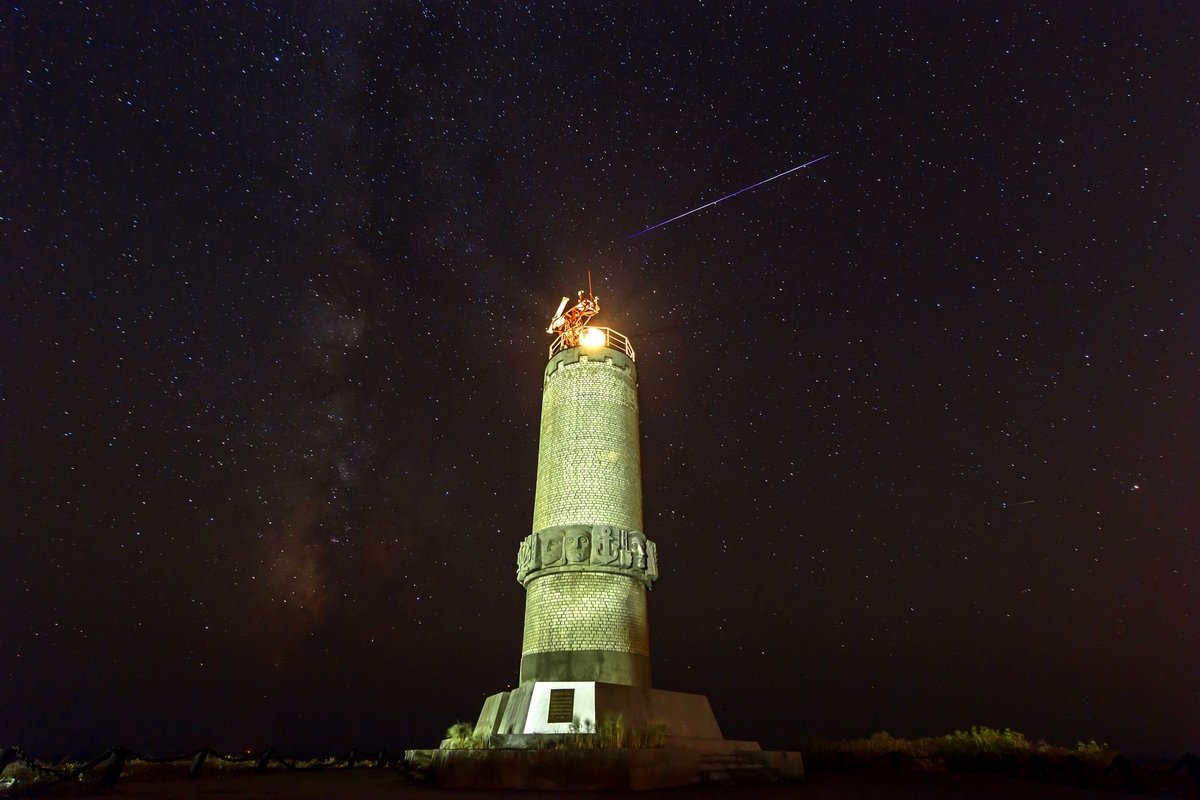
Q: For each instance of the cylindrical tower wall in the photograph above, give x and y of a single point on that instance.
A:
(586, 626)
(585, 609)
(589, 458)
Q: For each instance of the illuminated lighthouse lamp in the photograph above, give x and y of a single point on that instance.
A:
(571, 325)
(593, 338)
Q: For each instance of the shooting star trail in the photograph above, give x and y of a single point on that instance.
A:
(726, 197)
(1013, 505)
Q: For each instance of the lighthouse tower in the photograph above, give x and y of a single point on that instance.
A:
(587, 564)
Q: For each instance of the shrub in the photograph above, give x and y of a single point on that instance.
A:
(1095, 753)
(462, 737)
(611, 733)
(984, 741)
(980, 746)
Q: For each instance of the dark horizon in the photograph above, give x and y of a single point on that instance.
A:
(919, 431)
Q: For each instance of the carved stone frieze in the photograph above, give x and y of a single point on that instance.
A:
(595, 548)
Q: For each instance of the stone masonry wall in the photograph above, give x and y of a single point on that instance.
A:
(589, 460)
(585, 611)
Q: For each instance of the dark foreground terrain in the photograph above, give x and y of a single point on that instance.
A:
(376, 784)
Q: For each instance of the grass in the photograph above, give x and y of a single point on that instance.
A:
(462, 737)
(972, 747)
(611, 733)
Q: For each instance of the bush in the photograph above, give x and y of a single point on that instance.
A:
(462, 737)
(1095, 753)
(611, 733)
(984, 742)
(975, 748)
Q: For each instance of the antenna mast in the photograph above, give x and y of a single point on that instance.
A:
(570, 324)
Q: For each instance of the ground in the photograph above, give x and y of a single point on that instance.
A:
(371, 784)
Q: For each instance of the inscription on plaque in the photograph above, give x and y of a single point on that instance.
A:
(562, 705)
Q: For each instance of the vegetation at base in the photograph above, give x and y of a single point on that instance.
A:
(611, 733)
(584, 735)
(978, 746)
(462, 737)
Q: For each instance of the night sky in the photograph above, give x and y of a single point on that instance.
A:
(919, 422)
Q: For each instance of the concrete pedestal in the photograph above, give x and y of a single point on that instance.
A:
(602, 769)
(548, 708)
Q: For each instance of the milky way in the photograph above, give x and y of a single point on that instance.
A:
(274, 291)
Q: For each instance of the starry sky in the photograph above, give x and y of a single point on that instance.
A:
(919, 422)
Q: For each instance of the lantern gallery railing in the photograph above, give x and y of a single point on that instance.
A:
(593, 338)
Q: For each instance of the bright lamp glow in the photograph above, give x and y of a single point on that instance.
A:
(593, 337)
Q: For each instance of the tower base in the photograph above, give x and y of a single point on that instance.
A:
(566, 707)
(601, 770)
(531, 739)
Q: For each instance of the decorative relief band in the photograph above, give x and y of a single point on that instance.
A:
(587, 548)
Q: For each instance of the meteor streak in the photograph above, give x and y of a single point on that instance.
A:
(726, 197)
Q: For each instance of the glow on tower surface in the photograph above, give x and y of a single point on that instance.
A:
(587, 564)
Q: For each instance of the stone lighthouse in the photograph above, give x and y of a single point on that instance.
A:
(587, 564)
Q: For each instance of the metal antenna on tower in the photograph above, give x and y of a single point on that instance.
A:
(572, 323)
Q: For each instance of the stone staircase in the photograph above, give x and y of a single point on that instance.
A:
(416, 764)
(739, 767)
